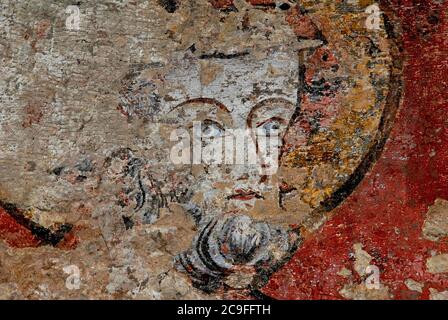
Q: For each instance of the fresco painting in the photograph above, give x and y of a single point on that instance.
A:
(223, 149)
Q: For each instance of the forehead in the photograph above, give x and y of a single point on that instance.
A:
(238, 83)
(238, 58)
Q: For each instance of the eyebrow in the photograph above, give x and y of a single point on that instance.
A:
(221, 55)
(209, 101)
(262, 103)
(271, 118)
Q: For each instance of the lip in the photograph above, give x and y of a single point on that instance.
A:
(245, 195)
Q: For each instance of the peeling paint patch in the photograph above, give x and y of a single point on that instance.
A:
(360, 292)
(435, 227)
(436, 295)
(438, 264)
(362, 259)
(414, 285)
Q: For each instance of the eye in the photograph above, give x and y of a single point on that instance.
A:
(212, 129)
(271, 127)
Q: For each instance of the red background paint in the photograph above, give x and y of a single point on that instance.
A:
(387, 210)
(15, 234)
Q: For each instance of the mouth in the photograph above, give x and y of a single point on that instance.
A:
(245, 195)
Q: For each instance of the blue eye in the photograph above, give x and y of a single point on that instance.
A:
(211, 129)
(271, 127)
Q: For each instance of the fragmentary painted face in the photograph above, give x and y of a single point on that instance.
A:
(227, 193)
(228, 112)
(323, 94)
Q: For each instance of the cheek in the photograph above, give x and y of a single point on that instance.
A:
(296, 136)
(323, 99)
(321, 113)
